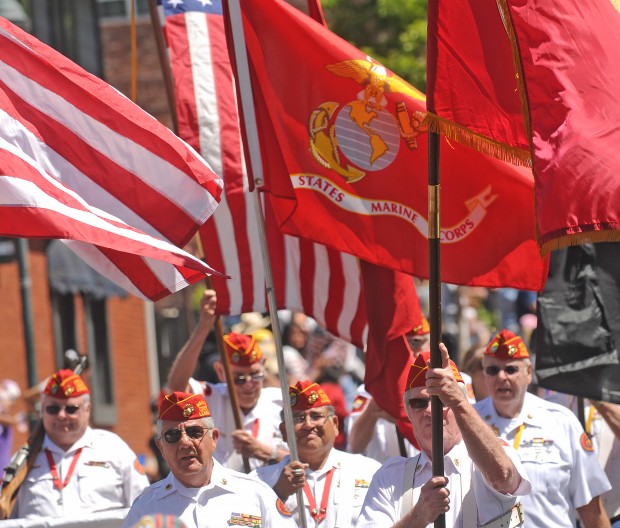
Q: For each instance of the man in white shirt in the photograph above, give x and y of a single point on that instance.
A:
(334, 483)
(199, 491)
(555, 450)
(79, 470)
(483, 476)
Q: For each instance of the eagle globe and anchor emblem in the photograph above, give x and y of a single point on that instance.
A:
(364, 131)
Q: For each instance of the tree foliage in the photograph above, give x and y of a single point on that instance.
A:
(391, 31)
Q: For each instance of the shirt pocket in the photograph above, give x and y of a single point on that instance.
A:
(100, 485)
(545, 468)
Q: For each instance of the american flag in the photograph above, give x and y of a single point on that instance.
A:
(79, 161)
(308, 277)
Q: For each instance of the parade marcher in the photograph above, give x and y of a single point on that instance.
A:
(79, 470)
(371, 430)
(483, 476)
(259, 440)
(334, 483)
(199, 491)
(554, 449)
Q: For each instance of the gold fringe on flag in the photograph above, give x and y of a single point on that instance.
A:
(483, 144)
(577, 239)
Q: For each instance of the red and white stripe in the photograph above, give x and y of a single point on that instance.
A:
(308, 277)
(121, 168)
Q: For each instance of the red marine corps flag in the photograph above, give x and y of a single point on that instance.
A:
(537, 80)
(79, 161)
(345, 161)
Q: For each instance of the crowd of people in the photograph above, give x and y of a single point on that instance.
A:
(512, 456)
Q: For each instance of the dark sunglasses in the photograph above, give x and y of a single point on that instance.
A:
(55, 409)
(494, 370)
(242, 380)
(195, 432)
(419, 404)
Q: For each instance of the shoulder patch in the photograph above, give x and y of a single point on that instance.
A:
(502, 441)
(586, 443)
(282, 509)
(138, 467)
(359, 403)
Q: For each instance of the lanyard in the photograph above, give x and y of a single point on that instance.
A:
(55, 477)
(518, 436)
(255, 428)
(319, 514)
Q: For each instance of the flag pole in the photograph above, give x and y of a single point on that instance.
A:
(219, 331)
(256, 169)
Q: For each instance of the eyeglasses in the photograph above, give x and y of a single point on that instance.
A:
(254, 378)
(494, 370)
(195, 432)
(420, 404)
(55, 409)
(316, 419)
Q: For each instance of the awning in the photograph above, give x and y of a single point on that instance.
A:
(69, 274)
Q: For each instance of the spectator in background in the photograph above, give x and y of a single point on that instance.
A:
(9, 420)
(472, 364)
(79, 470)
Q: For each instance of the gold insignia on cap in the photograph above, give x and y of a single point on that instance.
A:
(253, 356)
(188, 410)
(69, 390)
(512, 350)
(312, 397)
(494, 347)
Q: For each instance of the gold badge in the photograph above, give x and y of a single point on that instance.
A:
(512, 350)
(312, 397)
(188, 410)
(69, 391)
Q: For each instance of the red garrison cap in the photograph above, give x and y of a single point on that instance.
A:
(507, 345)
(306, 395)
(183, 406)
(242, 349)
(417, 376)
(65, 384)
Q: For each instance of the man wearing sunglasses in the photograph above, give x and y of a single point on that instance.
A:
(334, 483)
(199, 491)
(483, 478)
(259, 439)
(79, 470)
(555, 450)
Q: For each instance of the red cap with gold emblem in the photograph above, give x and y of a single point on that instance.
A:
(65, 384)
(306, 395)
(417, 371)
(507, 345)
(422, 329)
(242, 349)
(183, 406)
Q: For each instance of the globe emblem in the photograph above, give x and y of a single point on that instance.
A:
(368, 137)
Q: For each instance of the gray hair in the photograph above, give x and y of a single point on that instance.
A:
(206, 422)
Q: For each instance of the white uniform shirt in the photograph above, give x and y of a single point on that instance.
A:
(107, 476)
(264, 418)
(559, 460)
(350, 481)
(384, 443)
(231, 498)
(383, 504)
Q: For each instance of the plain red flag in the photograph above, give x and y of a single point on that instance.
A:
(393, 309)
(345, 161)
(544, 75)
